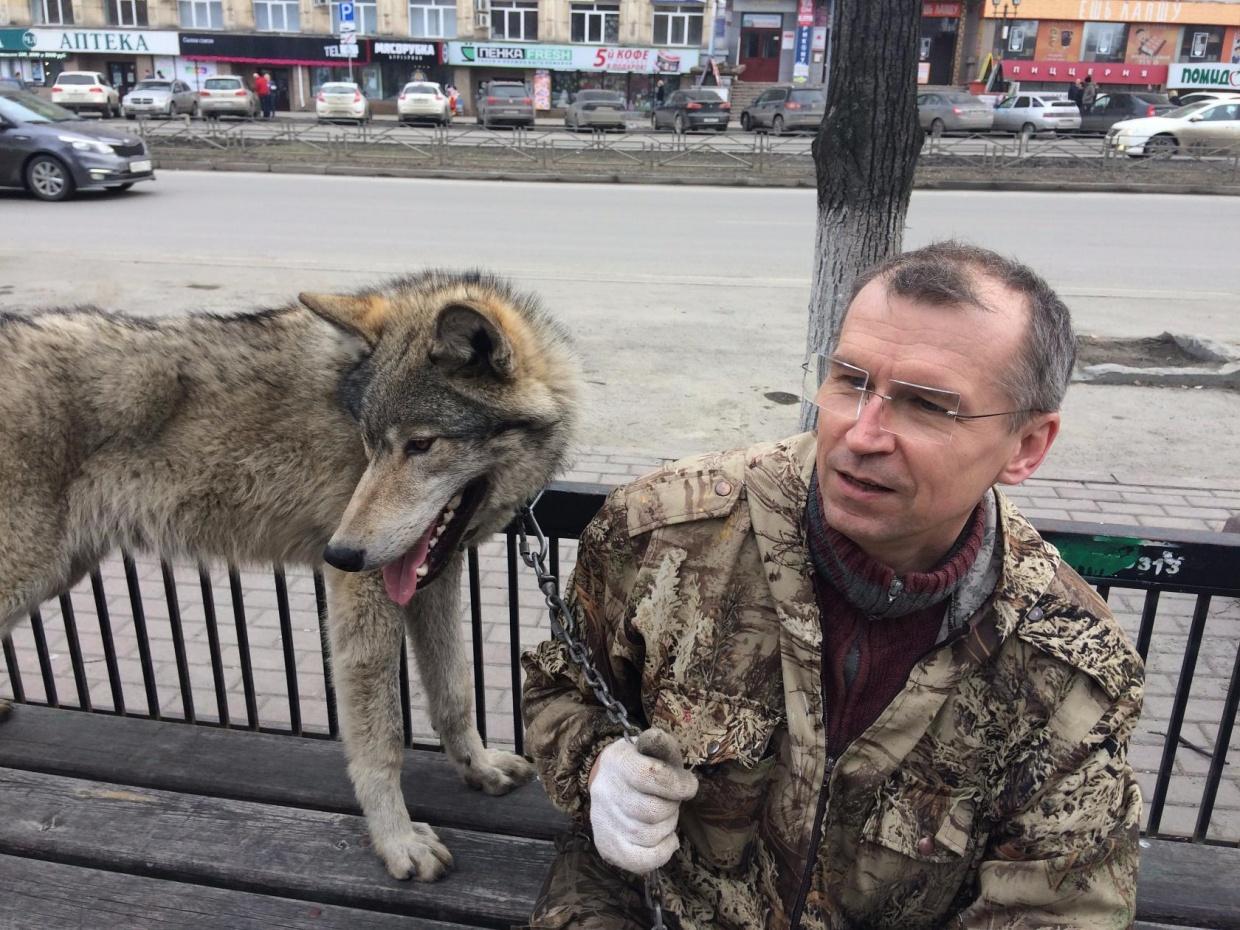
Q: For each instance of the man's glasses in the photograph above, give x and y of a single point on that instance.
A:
(914, 411)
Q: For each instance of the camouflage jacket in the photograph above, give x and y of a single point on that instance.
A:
(994, 791)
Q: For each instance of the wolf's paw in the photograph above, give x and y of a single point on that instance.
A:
(415, 853)
(497, 772)
(6, 708)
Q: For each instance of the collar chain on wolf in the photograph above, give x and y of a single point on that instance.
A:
(561, 622)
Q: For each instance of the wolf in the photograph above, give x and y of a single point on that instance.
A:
(382, 431)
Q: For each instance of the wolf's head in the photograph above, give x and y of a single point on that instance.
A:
(466, 402)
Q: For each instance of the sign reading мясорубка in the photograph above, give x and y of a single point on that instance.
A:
(610, 58)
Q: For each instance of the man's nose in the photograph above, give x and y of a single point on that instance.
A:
(866, 436)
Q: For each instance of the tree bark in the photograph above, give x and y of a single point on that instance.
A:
(864, 154)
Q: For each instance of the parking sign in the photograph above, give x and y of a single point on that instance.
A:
(348, 22)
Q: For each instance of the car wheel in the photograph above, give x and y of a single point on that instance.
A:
(746, 122)
(170, 112)
(1163, 146)
(129, 115)
(48, 178)
(679, 123)
(654, 123)
(777, 125)
(195, 111)
(937, 127)
(1028, 129)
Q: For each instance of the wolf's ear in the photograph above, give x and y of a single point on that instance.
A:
(362, 316)
(467, 338)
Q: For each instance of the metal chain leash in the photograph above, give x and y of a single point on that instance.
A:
(579, 652)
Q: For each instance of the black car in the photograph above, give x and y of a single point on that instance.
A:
(52, 153)
(687, 110)
(1109, 109)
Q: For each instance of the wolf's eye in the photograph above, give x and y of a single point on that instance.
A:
(418, 446)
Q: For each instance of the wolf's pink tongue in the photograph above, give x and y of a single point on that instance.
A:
(400, 578)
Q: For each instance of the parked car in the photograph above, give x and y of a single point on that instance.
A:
(423, 100)
(13, 83)
(1111, 108)
(86, 90)
(341, 100)
(1209, 126)
(596, 109)
(1030, 113)
(506, 102)
(953, 111)
(1203, 96)
(689, 110)
(785, 109)
(227, 95)
(52, 152)
(159, 98)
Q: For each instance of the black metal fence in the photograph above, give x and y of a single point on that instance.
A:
(1176, 591)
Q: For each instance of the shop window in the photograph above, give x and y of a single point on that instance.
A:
(365, 15)
(52, 12)
(1104, 42)
(432, 19)
(1022, 40)
(127, 13)
(514, 19)
(678, 25)
(201, 14)
(1202, 43)
(277, 15)
(596, 22)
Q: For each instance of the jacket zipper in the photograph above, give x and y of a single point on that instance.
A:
(815, 836)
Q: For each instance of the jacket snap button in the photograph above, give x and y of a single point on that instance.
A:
(723, 488)
(713, 747)
(925, 845)
(1036, 613)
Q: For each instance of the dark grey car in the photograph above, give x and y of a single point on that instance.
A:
(506, 102)
(52, 153)
(785, 109)
(1110, 108)
(689, 110)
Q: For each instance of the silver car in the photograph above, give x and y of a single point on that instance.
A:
(159, 98)
(506, 102)
(785, 109)
(1030, 113)
(227, 95)
(596, 109)
(953, 111)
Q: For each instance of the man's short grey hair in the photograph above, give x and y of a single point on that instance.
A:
(947, 274)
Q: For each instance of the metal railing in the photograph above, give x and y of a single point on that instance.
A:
(1166, 586)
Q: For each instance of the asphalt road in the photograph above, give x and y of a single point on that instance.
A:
(689, 304)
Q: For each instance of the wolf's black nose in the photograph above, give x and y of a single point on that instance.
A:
(347, 560)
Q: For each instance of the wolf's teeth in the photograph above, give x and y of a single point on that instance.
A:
(422, 570)
(431, 544)
(454, 503)
(447, 516)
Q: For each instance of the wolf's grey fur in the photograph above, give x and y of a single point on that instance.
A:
(265, 436)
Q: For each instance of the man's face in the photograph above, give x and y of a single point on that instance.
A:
(904, 501)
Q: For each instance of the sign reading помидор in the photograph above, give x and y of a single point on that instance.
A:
(1204, 77)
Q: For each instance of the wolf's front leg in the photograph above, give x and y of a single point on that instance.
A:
(434, 628)
(366, 629)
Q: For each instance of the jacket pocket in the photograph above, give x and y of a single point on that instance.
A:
(728, 742)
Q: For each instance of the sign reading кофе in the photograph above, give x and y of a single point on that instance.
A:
(609, 58)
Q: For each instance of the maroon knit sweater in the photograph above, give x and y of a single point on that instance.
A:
(866, 660)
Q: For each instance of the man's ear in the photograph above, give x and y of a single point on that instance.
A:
(1035, 439)
(467, 339)
(361, 316)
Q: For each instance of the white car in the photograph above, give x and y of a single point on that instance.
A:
(227, 95)
(86, 90)
(1208, 127)
(423, 100)
(341, 100)
(1205, 96)
(160, 98)
(1032, 112)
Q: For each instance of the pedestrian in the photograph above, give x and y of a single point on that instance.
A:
(262, 87)
(1089, 93)
(1075, 90)
(660, 93)
(899, 706)
(272, 92)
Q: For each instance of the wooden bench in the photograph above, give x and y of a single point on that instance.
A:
(127, 822)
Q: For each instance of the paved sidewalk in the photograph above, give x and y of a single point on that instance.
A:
(1098, 500)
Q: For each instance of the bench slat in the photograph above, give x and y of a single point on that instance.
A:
(296, 853)
(254, 767)
(1189, 884)
(54, 896)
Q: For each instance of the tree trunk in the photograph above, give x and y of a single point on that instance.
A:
(864, 153)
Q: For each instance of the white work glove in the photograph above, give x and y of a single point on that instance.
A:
(635, 801)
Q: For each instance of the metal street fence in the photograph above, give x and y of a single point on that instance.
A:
(205, 651)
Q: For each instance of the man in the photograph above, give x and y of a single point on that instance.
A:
(262, 87)
(1089, 93)
(900, 709)
(1076, 91)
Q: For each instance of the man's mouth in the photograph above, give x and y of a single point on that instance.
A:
(422, 564)
(861, 484)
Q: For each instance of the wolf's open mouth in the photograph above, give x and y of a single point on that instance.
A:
(420, 565)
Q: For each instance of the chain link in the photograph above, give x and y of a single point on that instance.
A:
(579, 652)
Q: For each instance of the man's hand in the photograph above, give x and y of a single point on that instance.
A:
(635, 795)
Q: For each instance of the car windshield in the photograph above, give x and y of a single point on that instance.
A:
(339, 89)
(960, 98)
(599, 95)
(705, 96)
(153, 85)
(222, 83)
(1185, 112)
(22, 107)
(76, 79)
(421, 88)
(808, 97)
(506, 90)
